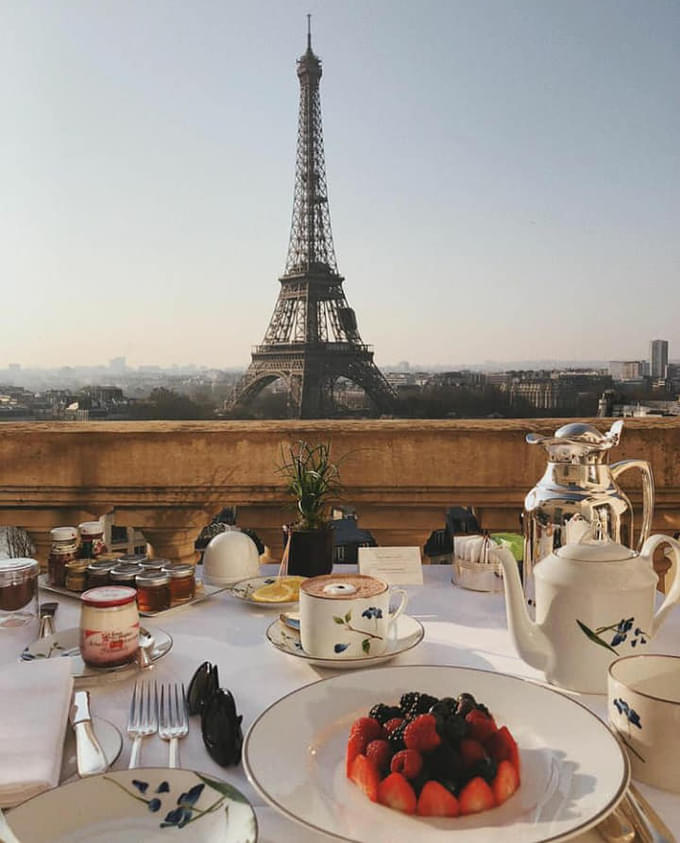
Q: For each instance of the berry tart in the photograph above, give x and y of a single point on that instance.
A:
(433, 757)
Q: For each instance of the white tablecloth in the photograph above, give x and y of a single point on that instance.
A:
(461, 628)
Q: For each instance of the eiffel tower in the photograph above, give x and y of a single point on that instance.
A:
(312, 338)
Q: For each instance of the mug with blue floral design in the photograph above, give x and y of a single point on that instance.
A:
(347, 616)
(644, 711)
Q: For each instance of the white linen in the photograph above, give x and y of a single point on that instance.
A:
(34, 703)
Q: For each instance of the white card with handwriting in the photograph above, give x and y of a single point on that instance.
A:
(395, 565)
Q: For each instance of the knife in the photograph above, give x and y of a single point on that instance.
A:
(90, 756)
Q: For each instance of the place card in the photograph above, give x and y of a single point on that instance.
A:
(395, 565)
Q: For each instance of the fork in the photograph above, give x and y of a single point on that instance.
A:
(143, 719)
(174, 719)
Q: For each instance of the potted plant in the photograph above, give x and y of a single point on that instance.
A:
(312, 478)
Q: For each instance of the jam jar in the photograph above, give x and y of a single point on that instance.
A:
(132, 559)
(125, 575)
(98, 572)
(64, 549)
(76, 575)
(109, 626)
(91, 540)
(182, 583)
(153, 591)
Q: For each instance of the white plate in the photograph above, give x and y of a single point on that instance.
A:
(409, 633)
(243, 590)
(66, 642)
(573, 770)
(110, 740)
(202, 593)
(133, 805)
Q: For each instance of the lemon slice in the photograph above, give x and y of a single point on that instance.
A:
(276, 592)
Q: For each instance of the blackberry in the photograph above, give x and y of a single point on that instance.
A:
(414, 703)
(382, 713)
(452, 729)
(444, 708)
(396, 737)
(408, 700)
(466, 702)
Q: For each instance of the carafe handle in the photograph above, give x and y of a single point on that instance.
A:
(645, 470)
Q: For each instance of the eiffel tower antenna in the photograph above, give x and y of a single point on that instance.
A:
(312, 338)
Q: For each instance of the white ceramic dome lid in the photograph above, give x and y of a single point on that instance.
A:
(596, 551)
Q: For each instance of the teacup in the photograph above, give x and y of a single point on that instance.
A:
(347, 616)
(644, 710)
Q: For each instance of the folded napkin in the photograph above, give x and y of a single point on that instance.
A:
(34, 704)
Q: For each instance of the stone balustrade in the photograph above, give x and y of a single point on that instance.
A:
(170, 478)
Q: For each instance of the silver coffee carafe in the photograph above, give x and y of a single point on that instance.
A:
(578, 494)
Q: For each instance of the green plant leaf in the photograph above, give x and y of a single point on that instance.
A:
(338, 620)
(366, 645)
(348, 616)
(594, 637)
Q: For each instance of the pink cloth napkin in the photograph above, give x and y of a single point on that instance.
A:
(34, 703)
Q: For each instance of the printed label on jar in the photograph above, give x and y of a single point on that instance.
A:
(108, 649)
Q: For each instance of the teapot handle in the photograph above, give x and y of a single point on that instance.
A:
(645, 469)
(673, 593)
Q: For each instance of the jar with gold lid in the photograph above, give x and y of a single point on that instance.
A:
(91, 540)
(76, 575)
(153, 591)
(132, 559)
(64, 549)
(124, 575)
(98, 572)
(109, 626)
(182, 583)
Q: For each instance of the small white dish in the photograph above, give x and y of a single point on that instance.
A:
(142, 804)
(409, 632)
(243, 590)
(66, 642)
(110, 740)
(230, 556)
(574, 772)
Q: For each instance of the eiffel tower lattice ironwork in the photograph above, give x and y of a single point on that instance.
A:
(312, 338)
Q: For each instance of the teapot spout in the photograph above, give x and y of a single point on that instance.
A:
(531, 642)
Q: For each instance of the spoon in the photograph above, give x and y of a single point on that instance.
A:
(616, 828)
(146, 642)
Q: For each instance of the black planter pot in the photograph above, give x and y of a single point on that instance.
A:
(311, 551)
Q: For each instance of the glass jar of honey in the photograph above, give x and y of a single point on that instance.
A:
(153, 591)
(64, 549)
(132, 559)
(182, 583)
(76, 575)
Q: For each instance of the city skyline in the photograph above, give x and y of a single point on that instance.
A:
(503, 160)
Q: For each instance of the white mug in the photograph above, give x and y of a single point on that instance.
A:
(347, 616)
(644, 711)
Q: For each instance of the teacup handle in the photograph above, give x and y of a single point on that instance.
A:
(400, 608)
(673, 593)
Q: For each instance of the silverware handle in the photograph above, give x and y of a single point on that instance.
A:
(645, 470)
(648, 824)
(90, 757)
(173, 759)
(135, 752)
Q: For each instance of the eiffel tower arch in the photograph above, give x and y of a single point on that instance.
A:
(312, 338)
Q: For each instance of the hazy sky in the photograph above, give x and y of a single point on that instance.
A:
(503, 175)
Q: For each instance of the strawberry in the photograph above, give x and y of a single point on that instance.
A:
(471, 751)
(368, 728)
(392, 724)
(480, 726)
(365, 775)
(421, 734)
(355, 746)
(501, 746)
(408, 762)
(395, 792)
(476, 796)
(505, 783)
(436, 801)
(380, 754)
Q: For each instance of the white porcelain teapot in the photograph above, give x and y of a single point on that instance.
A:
(594, 603)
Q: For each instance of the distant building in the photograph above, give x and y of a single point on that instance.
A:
(627, 370)
(658, 358)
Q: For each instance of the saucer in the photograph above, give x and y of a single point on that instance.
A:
(244, 589)
(409, 633)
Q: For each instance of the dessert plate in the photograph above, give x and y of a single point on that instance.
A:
(574, 771)
(244, 590)
(66, 643)
(153, 805)
(409, 633)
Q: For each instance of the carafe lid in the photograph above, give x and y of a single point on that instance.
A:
(578, 441)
